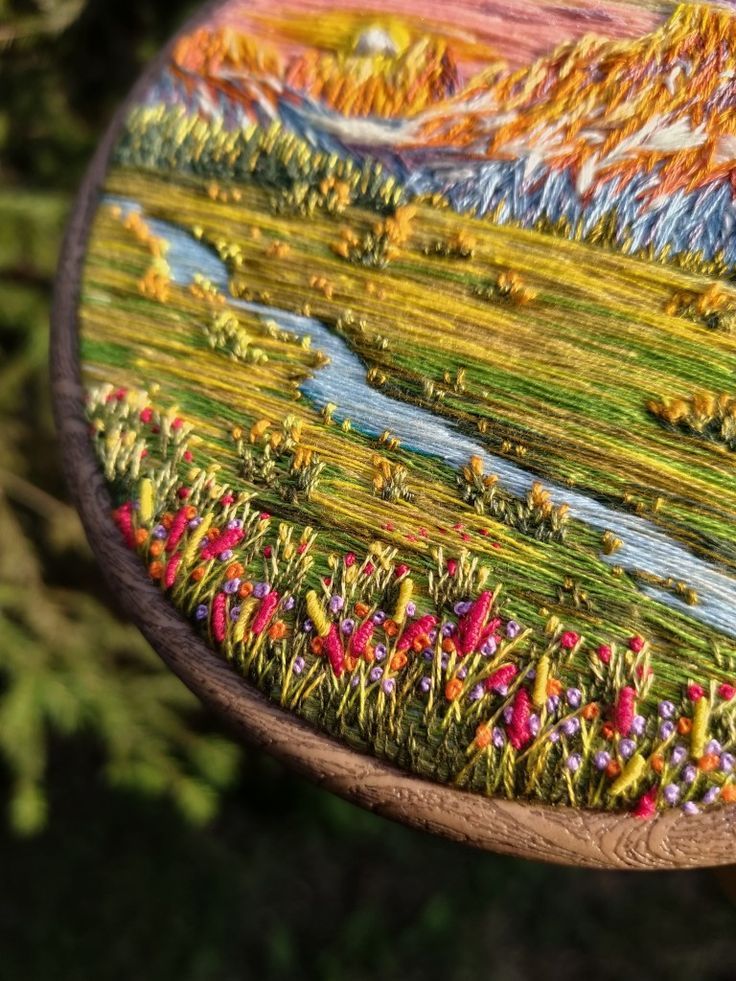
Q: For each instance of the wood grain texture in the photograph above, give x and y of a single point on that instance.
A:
(557, 834)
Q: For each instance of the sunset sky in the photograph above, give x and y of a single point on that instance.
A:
(515, 30)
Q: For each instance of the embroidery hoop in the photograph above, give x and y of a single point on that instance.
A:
(564, 835)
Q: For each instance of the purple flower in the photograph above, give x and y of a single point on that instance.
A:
(498, 737)
(713, 747)
(626, 748)
(195, 523)
(380, 651)
(573, 762)
(235, 613)
(226, 555)
(554, 736)
(508, 713)
(376, 673)
(160, 532)
(388, 686)
(425, 684)
(553, 704)
(476, 693)
(336, 603)
(307, 626)
(347, 627)
(571, 727)
(512, 629)
(231, 586)
(411, 609)
(432, 635)
(728, 761)
(428, 654)
(689, 774)
(461, 608)
(298, 665)
(534, 724)
(601, 759)
(711, 795)
(202, 612)
(666, 710)
(448, 629)
(289, 603)
(235, 523)
(690, 807)
(489, 647)
(679, 755)
(666, 729)
(444, 659)
(462, 673)
(574, 697)
(378, 617)
(638, 726)
(355, 681)
(261, 589)
(672, 794)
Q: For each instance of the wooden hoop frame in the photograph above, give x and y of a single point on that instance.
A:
(557, 834)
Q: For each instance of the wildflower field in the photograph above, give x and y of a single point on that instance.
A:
(413, 593)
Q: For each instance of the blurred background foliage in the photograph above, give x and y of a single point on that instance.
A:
(139, 840)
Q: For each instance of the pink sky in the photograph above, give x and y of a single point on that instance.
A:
(518, 30)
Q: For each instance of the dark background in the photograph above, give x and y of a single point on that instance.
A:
(137, 840)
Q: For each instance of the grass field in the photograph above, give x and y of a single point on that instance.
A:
(565, 408)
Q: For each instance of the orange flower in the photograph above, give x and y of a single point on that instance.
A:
(197, 574)
(728, 794)
(483, 735)
(419, 643)
(591, 711)
(685, 726)
(613, 770)
(212, 534)
(245, 590)
(277, 630)
(554, 687)
(234, 570)
(607, 730)
(315, 645)
(350, 662)
(156, 570)
(191, 512)
(657, 763)
(709, 762)
(448, 645)
(369, 654)
(453, 689)
(399, 661)
(156, 548)
(361, 610)
(141, 535)
(167, 521)
(391, 628)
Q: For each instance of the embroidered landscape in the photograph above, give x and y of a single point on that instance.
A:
(411, 365)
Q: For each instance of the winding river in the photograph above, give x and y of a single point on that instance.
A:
(342, 381)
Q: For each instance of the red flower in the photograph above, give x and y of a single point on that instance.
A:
(604, 653)
(267, 552)
(519, 729)
(452, 566)
(501, 678)
(569, 639)
(695, 692)
(146, 415)
(646, 806)
(624, 712)
(350, 559)
(369, 568)
(401, 570)
(636, 644)
(727, 692)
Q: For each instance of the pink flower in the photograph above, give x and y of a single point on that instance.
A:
(171, 569)
(421, 626)
(727, 692)
(401, 570)
(695, 692)
(219, 617)
(646, 806)
(470, 627)
(335, 653)
(225, 540)
(569, 639)
(350, 559)
(265, 611)
(636, 644)
(178, 527)
(123, 518)
(624, 712)
(451, 566)
(501, 678)
(519, 729)
(146, 415)
(361, 637)
(369, 568)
